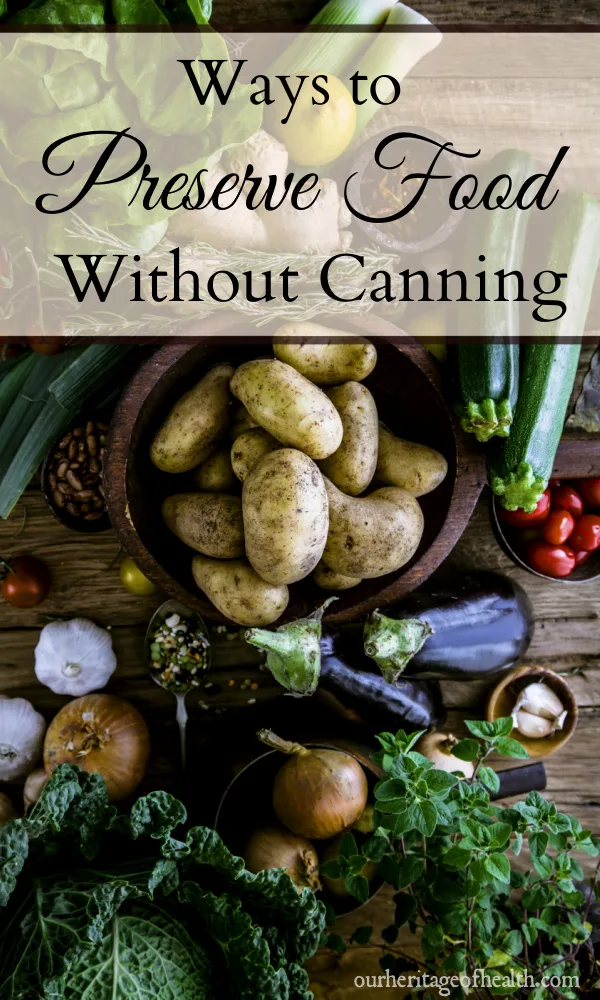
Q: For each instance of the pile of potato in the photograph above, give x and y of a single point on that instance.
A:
(307, 443)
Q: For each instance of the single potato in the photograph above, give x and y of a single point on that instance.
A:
(210, 523)
(238, 592)
(374, 535)
(197, 421)
(249, 448)
(241, 421)
(338, 357)
(415, 467)
(215, 473)
(286, 516)
(290, 407)
(328, 579)
(352, 466)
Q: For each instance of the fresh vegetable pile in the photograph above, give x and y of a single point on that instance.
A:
(562, 530)
(93, 903)
(307, 444)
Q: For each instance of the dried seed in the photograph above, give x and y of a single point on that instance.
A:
(92, 444)
(74, 465)
(65, 441)
(64, 488)
(100, 489)
(58, 498)
(73, 510)
(102, 427)
(84, 495)
(89, 480)
(81, 450)
(94, 516)
(89, 427)
(78, 432)
(98, 504)
(73, 480)
(85, 508)
(94, 464)
(62, 469)
(52, 480)
(72, 450)
(103, 439)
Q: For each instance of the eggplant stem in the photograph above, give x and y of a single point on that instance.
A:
(293, 651)
(270, 739)
(392, 643)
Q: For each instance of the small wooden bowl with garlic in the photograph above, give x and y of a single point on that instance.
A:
(543, 707)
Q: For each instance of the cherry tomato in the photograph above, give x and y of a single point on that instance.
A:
(551, 560)
(134, 580)
(558, 527)
(590, 491)
(521, 519)
(26, 583)
(554, 483)
(581, 557)
(587, 533)
(48, 345)
(566, 498)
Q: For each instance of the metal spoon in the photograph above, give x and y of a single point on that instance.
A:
(158, 618)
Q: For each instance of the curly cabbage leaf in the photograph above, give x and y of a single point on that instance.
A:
(97, 905)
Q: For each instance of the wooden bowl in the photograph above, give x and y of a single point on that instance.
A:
(504, 696)
(407, 388)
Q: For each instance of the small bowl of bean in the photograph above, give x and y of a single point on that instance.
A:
(72, 476)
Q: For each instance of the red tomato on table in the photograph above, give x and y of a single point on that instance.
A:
(586, 534)
(551, 560)
(558, 526)
(522, 519)
(566, 498)
(590, 491)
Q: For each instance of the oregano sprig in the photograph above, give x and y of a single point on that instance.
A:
(449, 853)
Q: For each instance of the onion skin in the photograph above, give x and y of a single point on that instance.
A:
(101, 734)
(275, 847)
(33, 788)
(317, 793)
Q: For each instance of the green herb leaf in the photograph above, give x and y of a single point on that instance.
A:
(498, 866)
(358, 886)
(490, 778)
(362, 935)
(510, 748)
(466, 749)
(405, 907)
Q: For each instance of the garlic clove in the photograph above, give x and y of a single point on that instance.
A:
(533, 726)
(539, 699)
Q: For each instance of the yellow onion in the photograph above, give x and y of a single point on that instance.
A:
(7, 810)
(337, 886)
(33, 788)
(276, 847)
(101, 734)
(317, 793)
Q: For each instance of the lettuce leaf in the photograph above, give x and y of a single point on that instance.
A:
(97, 905)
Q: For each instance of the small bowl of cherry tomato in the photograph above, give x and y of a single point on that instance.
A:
(560, 539)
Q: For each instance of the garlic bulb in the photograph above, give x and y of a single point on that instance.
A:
(438, 747)
(539, 711)
(74, 657)
(21, 737)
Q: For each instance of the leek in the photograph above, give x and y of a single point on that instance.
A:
(330, 51)
(95, 366)
(13, 381)
(394, 53)
(44, 431)
(29, 403)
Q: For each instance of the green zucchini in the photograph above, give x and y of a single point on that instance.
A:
(520, 467)
(487, 371)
